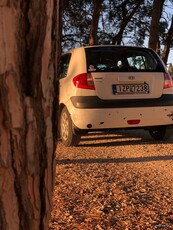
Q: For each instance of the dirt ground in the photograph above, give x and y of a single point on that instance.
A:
(118, 180)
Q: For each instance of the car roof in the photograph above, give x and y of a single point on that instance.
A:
(100, 46)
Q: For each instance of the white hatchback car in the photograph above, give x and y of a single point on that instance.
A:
(114, 87)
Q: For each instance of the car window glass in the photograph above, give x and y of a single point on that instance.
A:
(117, 59)
(64, 63)
(142, 62)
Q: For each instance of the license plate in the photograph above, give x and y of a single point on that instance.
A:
(142, 88)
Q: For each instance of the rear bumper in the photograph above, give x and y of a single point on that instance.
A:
(122, 118)
(101, 118)
(88, 102)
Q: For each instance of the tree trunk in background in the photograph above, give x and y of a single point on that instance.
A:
(126, 17)
(168, 41)
(27, 113)
(97, 6)
(154, 28)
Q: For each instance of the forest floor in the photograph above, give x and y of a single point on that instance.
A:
(120, 181)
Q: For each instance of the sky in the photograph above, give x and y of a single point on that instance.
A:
(169, 10)
(170, 58)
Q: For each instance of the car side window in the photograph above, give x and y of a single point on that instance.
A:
(64, 64)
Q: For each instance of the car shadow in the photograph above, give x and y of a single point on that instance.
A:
(119, 138)
(114, 160)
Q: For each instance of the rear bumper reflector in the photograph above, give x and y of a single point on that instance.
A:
(133, 122)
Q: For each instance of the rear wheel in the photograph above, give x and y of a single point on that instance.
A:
(161, 132)
(67, 131)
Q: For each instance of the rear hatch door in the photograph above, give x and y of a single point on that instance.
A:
(121, 72)
(125, 85)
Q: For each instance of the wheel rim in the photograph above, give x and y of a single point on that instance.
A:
(64, 126)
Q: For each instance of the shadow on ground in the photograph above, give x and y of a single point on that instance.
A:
(119, 138)
(115, 160)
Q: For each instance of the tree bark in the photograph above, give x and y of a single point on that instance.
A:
(27, 109)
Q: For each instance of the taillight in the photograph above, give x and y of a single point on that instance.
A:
(167, 81)
(84, 81)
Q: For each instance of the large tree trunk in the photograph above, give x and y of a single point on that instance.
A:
(27, 113)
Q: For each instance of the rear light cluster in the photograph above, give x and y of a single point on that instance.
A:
(84, 81)
(168, 83)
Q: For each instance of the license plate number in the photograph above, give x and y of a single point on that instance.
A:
(142, 88)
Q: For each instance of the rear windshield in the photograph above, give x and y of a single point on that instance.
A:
(122, 59)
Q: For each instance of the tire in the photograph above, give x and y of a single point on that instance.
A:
(161, 132)
(67, 131)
